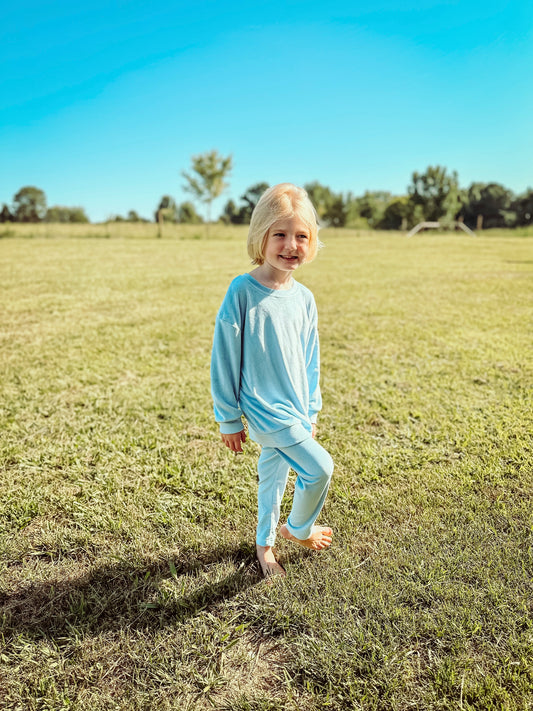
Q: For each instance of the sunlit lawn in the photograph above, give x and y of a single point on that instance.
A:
(127, 571)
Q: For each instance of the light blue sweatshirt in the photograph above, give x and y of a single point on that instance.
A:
(265, 362)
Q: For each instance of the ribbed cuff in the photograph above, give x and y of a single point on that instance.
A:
(231, 427)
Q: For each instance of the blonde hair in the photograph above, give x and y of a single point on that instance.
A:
(276, 203)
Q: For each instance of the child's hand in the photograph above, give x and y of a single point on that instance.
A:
(234, 441)
(313, 430)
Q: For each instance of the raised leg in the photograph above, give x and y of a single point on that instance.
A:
(314, 467)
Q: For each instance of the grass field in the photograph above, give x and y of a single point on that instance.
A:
(127, 570)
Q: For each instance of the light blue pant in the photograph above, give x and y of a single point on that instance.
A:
(313, 466)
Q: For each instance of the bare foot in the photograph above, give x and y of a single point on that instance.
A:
(269, 564)
(320, 537)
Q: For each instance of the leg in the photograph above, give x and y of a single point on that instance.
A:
(314, 467)
(273, 473)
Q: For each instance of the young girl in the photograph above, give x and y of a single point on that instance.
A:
(265, 366)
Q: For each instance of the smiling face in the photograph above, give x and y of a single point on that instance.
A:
(277, 205)
(286, 245)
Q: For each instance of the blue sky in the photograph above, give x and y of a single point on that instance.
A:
(102, 104)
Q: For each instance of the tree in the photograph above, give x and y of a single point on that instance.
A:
(5, 214)
(58, 213)
(488, 205)
(523, 207)
(167, 210)
(396, 215)
(331, 207)
(353, 218)
(437, 193)
(372, 205)
(336, 212)
(321, 197)
(230, 213)
(77, 214)
(29, 205)
(187, 214)
(242, 214)
(207, 180)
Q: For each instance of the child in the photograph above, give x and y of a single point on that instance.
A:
(265, 366)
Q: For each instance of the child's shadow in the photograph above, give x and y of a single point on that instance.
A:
(150, 594)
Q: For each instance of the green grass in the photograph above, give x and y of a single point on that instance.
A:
(127, 572)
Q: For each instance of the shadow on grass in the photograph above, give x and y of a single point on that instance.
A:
(147, 594)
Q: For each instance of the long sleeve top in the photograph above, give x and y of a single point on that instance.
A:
(265, 362)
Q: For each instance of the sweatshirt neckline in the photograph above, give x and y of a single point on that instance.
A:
(280, 293)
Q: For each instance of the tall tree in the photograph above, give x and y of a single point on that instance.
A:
(207, 179)
(488, 205)
(29, 205)
(437, 193)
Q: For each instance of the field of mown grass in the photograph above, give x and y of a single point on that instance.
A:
(127, 570)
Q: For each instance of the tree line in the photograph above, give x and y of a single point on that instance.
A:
(29, 205)
(433, 195)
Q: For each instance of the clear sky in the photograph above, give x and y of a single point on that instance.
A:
(102, 104)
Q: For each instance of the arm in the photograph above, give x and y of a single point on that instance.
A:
(225, 377)
(312, 358)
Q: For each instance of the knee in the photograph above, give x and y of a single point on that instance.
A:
(329, 468)
(325, 471)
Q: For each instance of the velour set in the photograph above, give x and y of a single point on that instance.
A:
(266, 365)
